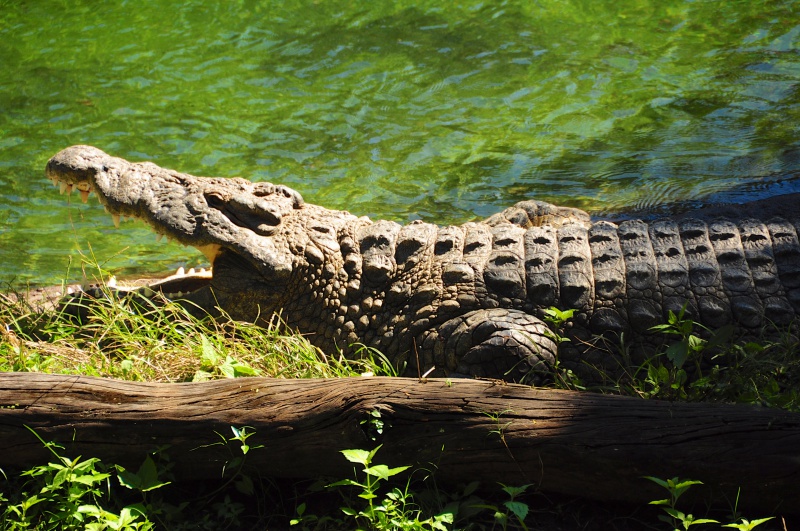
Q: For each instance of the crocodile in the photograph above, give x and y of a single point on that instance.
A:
(458, 300)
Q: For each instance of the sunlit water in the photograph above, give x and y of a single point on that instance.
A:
(398, 110)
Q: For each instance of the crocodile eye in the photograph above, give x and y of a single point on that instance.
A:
(215, 200)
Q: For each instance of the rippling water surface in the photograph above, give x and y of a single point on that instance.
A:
(401, 110)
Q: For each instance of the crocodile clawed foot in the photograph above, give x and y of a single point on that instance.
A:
(492, 342)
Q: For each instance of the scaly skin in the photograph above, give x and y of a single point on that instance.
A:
(469, 299)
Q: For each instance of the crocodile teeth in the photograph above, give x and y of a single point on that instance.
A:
(191, 271)
(112, 282)
(64, 187)
(180, 272)
(115, 218)
(159, 236)
(84, 196)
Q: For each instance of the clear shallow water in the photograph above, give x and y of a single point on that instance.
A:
(398, 110)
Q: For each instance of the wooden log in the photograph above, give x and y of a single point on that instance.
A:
(591, 445)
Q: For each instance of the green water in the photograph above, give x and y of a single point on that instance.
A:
(403, 110)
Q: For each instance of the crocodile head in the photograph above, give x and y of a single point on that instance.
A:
(237, 224)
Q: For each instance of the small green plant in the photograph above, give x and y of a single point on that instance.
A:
(690, 346)
(671, 380)
(374, 425)
(243, 482)
(557, 319)
(679, 520)
(511, 507)
(396, 509)
(676, 488)
(500, 427)
(68, 494)
(215, 364)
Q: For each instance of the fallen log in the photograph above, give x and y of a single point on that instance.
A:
(591, 445)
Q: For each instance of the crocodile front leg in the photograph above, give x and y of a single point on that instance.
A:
(495, 343)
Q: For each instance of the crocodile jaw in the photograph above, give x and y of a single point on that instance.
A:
(215, 215)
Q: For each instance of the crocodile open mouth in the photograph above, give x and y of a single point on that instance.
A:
(174, 286)
(235, 223)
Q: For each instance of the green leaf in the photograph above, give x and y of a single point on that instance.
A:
(89, 509)
(383, 471)
(241, 370)
(519, 509)
(145, 479)
(227, 368)
(675, 513)
(60, 478)
(202, 376)
(471, 487)
(126, 518)
(515, 491)
(245, 485)
(696, 344)
(666, 328)
(346, 483)
(677, 353)
(682, 486)
(90, 479)
(680, 379)
(361, 457)
(209, 355)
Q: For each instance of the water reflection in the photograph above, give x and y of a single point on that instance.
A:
(397, 111)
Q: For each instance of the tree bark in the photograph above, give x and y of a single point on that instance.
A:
(591, 445)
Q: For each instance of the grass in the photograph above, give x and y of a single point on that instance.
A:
(142, 341)
(139, 341)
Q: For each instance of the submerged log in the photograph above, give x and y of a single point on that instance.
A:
(591, 445)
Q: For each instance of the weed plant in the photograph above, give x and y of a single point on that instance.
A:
(77, 493)
(696, 363)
